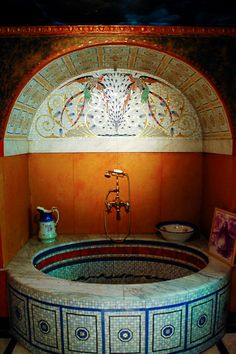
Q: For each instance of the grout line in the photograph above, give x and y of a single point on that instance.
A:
(11, 346)
(221, 347)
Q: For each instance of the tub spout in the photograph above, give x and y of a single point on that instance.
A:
(117, 205)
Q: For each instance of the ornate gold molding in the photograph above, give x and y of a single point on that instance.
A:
(69, 30)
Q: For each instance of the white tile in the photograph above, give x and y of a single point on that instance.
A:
(15, 147)
(218, 146)
(113, 144)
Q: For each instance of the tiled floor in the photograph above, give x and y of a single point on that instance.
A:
(228, 346)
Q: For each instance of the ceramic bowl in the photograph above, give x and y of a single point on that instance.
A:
(177, 231)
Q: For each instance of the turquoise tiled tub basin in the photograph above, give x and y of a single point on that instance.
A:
(141, 296)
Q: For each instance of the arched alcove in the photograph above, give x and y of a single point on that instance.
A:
(150, 101)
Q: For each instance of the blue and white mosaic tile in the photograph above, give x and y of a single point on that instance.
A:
(82, 331)
(45, 326)
(19, 313)
(167, 327)
(201, 315)
(125, 332)
(52, 315)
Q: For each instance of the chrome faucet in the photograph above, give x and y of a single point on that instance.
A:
(117, 203)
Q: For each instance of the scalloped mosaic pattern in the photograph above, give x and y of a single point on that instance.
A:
(186, 327)
(131, 262)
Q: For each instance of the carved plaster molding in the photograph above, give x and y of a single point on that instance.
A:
(72, 30)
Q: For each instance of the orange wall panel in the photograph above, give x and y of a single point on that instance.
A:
(181, 186)
(90, 189)
(145, 179)
(218, 187)
(162, 185)
(14, 215)
(51, 179)
(16, 205)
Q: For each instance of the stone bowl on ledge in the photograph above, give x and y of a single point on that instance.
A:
(177, 231)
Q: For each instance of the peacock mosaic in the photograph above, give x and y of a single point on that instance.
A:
(115, 103)
(117, 98)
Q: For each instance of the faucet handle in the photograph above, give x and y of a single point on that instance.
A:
(108, 206)
(127, 206)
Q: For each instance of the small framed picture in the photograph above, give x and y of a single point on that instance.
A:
(222, 242)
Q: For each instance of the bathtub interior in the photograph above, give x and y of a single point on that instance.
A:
(129, 262)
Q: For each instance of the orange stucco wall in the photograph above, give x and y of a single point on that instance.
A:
(219, 190)
(163, 186)
(14, 218)
(14, 205)
(219, 187)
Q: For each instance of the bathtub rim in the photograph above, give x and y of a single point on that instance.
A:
(22, 272)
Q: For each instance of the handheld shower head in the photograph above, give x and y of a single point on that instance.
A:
(118, 172)
(115, 172)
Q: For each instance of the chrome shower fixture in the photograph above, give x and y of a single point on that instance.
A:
(115, 172)
(116, 203)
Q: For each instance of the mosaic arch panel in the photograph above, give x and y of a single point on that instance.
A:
(117, 98)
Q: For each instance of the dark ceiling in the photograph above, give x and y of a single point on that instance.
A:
(120, 12)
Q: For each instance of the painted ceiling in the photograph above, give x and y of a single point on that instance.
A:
(125, 12)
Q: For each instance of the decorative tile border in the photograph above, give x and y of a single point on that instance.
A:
(19, 313)
(134, 262)
(178, 328)
(167, 329)
(200, 319)
(45, 326)
(82, 331)
(125, 332)
(221, 309)
(115, 29)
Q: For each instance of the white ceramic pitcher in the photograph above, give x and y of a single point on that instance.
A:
(47, 224)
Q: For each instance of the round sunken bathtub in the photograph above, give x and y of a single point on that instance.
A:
(139, 296)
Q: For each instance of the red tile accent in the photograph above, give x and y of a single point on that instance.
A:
(139, 251)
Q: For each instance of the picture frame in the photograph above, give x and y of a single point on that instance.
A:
(222, 241)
